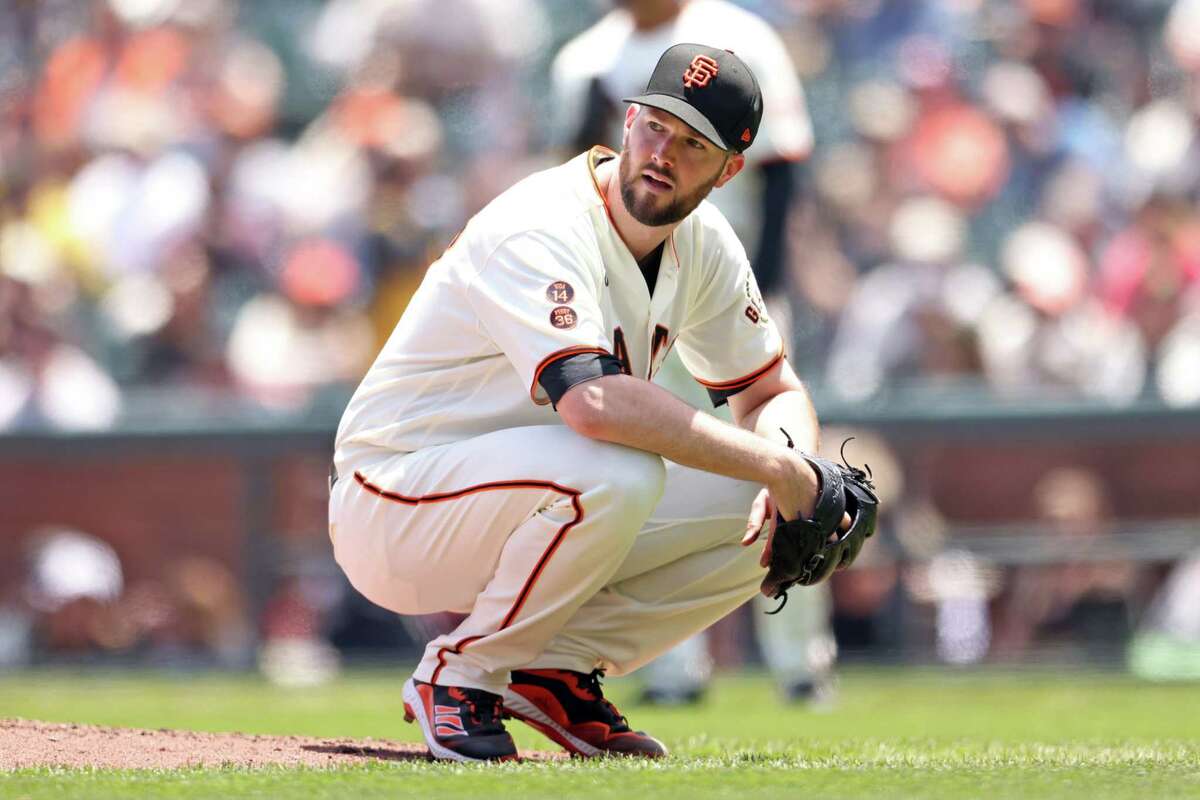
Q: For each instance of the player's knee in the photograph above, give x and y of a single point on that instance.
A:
(644, 479)
(635, 478)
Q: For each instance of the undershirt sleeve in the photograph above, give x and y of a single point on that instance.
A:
(720, 397)
(561, 374)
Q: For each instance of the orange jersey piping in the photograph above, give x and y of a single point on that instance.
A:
(591, 163)
(741, 383)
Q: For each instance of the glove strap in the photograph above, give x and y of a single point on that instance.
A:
(831, 491)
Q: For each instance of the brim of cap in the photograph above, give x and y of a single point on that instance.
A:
(686, 112)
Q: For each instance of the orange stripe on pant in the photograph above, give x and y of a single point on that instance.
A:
(441, 497)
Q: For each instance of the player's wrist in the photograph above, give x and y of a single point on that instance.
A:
(795, 485)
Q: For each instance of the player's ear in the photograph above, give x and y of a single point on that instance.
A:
(630, 115)
(733, 165)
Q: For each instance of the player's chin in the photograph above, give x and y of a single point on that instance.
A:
(651, 200)
(649, 210)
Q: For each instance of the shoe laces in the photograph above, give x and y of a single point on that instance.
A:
(485, 709)
(590, 683)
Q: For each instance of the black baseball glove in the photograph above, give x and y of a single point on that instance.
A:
(807, 551)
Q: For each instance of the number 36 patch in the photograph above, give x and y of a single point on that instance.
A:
(563, 317)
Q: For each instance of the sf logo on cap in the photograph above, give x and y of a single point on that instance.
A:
(700, 72)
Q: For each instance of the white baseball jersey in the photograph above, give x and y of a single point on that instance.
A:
(614, 52)
(539, 274)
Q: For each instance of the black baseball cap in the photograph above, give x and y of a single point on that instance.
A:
(710, 89)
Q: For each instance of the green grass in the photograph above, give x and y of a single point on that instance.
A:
(921, 734)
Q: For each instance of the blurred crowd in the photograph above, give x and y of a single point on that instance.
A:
(1006, 192)
(235, 200)
(78, 602)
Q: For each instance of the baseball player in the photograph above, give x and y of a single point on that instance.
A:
(508, 457)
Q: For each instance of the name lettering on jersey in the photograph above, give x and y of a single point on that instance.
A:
(700, 72)
(659, 347)
(621, 351)
(560, 293)
(564, 318)
(756, 311)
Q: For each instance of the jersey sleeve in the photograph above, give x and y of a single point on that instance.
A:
(729, 342)
(538, 302)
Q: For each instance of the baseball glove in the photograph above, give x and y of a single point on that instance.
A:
(807, 551)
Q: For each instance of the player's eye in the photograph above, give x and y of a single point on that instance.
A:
(696, 143)
(654, 126)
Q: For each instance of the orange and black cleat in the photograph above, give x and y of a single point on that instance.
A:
(569, 707)
(459, 724)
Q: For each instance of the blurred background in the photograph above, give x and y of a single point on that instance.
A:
(213, 212)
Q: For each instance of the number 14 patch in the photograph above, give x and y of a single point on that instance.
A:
(560, 292)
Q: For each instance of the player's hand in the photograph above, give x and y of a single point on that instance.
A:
(762, 516)
(794, 493)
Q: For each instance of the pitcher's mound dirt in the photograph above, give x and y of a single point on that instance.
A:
(27, 743)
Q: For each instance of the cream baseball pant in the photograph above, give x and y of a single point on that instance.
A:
(564, 552)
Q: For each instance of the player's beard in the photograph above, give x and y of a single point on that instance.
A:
(644, 208)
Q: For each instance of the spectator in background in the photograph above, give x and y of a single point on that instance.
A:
(1177, 379)
(286, 343)
(1150, 279)
(73, 584)
(592, 75)
(44, 378)
(912, 319)
(1053, 333)
(80, 601)
(1081, 605)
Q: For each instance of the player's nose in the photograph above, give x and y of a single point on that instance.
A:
(661, 154)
